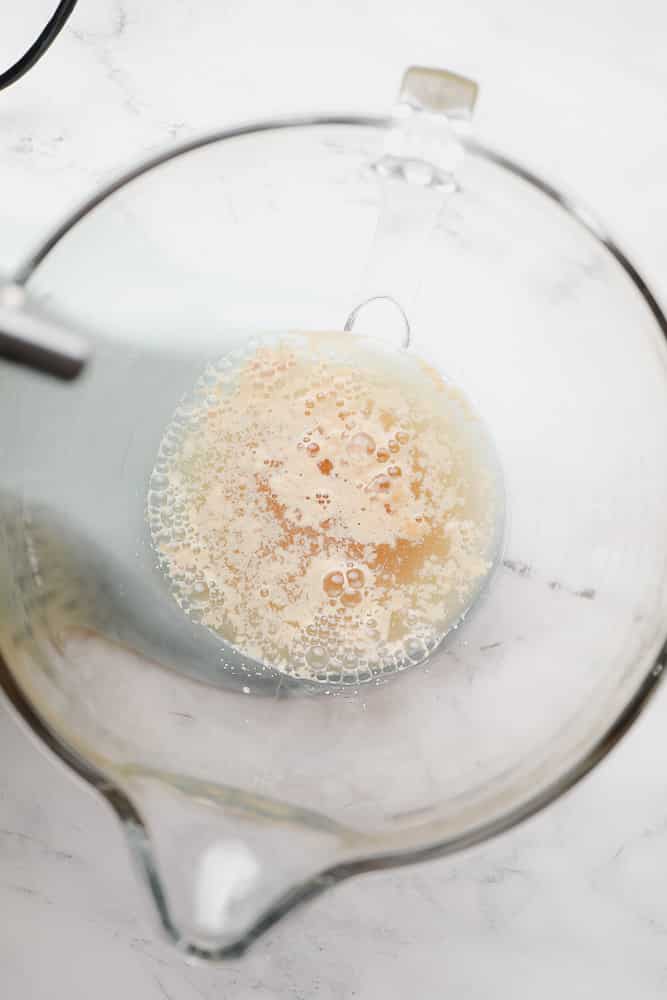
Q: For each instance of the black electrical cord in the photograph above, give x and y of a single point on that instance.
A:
(39, 47)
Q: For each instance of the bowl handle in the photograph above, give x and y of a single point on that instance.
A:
(416, 174)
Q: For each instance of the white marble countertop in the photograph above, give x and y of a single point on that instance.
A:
(574, 902)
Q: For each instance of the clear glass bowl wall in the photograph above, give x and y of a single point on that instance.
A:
(522, 307)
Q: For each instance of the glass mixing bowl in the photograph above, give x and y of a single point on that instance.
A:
(243, 793)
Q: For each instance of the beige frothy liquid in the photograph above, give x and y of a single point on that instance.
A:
(325, 505)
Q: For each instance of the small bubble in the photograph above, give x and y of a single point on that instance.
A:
(200, 591)
(394, 446)
(355, 578)
(361, 445)
(414, 648)
(316, 656)
(382, 455)
(333, 583)
(380, 484)
(313, 448)
(402, 437)
(394, 471)
(350, 598)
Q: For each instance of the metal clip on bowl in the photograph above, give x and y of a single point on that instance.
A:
(30, 338)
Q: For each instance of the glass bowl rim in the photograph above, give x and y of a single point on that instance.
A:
(132, 823)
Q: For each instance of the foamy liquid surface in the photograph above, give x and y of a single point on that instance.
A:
(327, 506)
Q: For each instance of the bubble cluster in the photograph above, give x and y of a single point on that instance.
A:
(325, 506)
